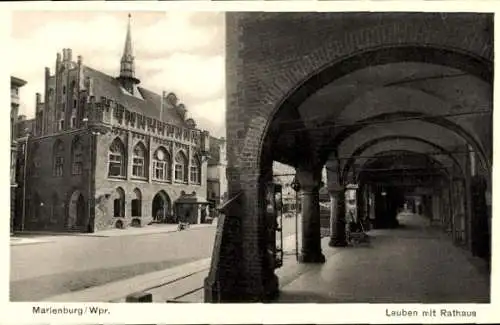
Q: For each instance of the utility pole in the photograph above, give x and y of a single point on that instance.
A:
(25, 171)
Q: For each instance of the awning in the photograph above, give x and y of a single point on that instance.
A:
(192, 198)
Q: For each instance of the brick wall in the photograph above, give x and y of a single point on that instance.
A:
(268, 55)
(105, 187)
(46, 185)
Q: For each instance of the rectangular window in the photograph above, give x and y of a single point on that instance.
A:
(63, 107)
(58, 166)
(36, 167)
(159, 170)
(115, 165)
(73, 122)
(74, 103)
(178, 173)
(138, 167)
(77, 164)
(61, 125)
(77, 168)
(194, 174)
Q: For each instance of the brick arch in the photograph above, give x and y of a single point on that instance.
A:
(398, 42)
(437, 120)
(383, 154)
(427, 103)
(369, 144)
(285, 84)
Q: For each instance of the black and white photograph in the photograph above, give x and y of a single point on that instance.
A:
(277, 157)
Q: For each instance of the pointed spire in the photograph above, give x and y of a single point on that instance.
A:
(127, 51)
(127, 65)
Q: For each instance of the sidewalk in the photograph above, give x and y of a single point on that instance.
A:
(131, 231)
(18, 241)
(118, 290)
(412, 264)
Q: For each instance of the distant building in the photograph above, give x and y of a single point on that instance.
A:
(216, 174)
(106, 153)
(15, 85)
(24, 126)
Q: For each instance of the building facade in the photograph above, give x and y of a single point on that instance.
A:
(108, 153)
(216, 174)
(15, 85)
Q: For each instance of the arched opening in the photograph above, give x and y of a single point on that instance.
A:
(137, 203)
(162, 208)
(283, 127)
(76, 211)
(119, 203)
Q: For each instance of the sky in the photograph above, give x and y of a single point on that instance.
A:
(175, 51)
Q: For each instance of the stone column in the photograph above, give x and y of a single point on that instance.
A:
(337, 220)
(311, 227)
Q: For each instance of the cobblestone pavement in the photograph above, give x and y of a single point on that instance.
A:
(413, 264)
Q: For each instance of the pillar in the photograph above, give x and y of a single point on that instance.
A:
(468, 199)
(311, 226)
(337, 219)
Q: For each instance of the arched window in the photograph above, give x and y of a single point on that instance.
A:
(136, 204)
(138, 161)
(77, 157)
(162, 162)
(116, 159)
(181, 167)
(58, 159)
(195, 172)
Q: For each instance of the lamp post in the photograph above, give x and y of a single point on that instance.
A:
(25, 170)
(296, 187)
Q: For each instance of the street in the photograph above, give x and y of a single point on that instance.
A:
(72, 263)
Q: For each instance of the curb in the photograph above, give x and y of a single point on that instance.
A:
(124, 234)
(117, 290)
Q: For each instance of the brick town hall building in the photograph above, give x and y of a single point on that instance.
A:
(134, 153)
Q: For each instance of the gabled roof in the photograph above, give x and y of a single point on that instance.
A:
(150, 105)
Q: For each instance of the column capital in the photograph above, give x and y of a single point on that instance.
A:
(309, 180)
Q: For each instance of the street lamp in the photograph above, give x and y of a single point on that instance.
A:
(25, 170)
(296, 187)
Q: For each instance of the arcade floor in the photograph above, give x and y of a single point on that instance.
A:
(415, 263)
